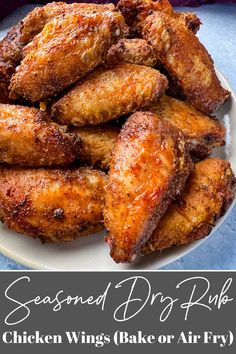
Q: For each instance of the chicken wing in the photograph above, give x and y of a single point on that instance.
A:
(107, 94)
(11, 46)
(134, 51)
(35, 21)
(136, 11)
(186, 59)
(53, 205)
(149, 167)
(29, 138)
(206, 197)
(203, 132)
(65, 50)
(97, 144)
(10, 55)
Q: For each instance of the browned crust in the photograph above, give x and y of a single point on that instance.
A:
(10, 55)
(149, 168)
(106, 94)
(53, 205)
(136, 11)
(134, 51)
(29, 138)
(203, 132)
(11, 46)
(82, 38)
(97, 144)
(186, 59)
(207, 195)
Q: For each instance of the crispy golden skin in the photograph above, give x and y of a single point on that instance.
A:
(29, 138)
(149, 168)
(208, 193)
(53, 205)
(65, 50)
(97, 144)
(134, 51)
(136, 11)
(186, 59)
(35, 21)
(203, 132)
(11, 46)
(10, 55)
(107, 94)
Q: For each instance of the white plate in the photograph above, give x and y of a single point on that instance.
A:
(91, 253)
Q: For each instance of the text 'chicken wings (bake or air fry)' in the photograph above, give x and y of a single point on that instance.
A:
(207, 195)
(68, 47)
(53, 205)
(202, 132)
(107, 94)
(29, 138)
(149, 167)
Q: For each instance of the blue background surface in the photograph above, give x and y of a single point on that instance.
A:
(219, 36)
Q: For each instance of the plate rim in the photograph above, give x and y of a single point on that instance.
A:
(178, 252)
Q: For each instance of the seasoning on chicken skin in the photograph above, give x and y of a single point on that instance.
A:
(136, 11)
(203, 132)
(97, 144)
(134, 51)
(107, 94)
(149, 167)
(186, 59)
(11, 46)
(29, 138)
(208, 193)
(35, 21)
(53, 205)
(10, 55)
(68, 48)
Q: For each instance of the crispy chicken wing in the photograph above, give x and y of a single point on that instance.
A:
(10, 55)
(186, 59)
(11, 46)
(208, 193)
(65, 50)
(53, 205)
(107, 94)
(134, 51)
(29, 138)
(136, 11)
(35, 21)
(97, 144)
(149, 167)
(203, 132)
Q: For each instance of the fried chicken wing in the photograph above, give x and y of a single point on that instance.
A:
(65, 50)
(134, 51)
(10, 55)
(186, 59)
(11, 47)
(149, 167)
(203, 132)
(29, 138)
(136, 11)
(208, 193)
(35, 21)
(53, 205)
(97, 144)
(107, 94)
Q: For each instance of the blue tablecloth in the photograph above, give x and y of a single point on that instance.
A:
(219, 35)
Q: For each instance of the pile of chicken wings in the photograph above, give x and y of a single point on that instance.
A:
(105, 122)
